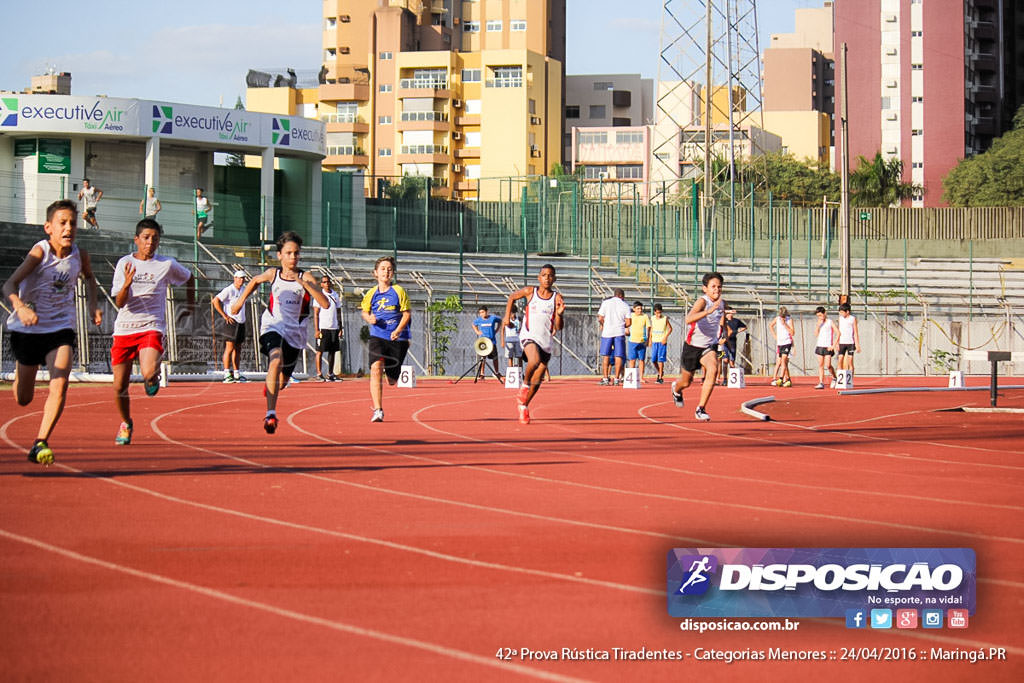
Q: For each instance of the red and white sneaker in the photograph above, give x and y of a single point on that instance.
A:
(524, 414)
(524, 392)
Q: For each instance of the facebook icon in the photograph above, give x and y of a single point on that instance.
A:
(856, 618)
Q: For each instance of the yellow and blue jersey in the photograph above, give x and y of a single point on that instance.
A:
(387, 307)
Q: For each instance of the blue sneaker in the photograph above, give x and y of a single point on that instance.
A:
(152, 385)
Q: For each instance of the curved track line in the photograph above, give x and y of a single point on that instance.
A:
(432, 648)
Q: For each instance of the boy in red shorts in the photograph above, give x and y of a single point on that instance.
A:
(140, 293)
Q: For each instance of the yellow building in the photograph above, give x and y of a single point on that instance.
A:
(805, 134)
(404, 89)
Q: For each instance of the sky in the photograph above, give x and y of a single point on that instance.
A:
(199, 52)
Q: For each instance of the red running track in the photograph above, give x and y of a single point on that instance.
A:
(418, 547)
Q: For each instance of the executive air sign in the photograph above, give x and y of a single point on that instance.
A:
(69, 114)
(205, 124)
(817, 582)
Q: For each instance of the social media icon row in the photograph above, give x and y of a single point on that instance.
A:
(905, 618)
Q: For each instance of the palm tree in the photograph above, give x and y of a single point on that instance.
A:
(880, 183)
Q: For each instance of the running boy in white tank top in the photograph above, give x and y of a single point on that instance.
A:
(283, 325)
(544, 315)
(703, 334)
(42, 293)
(825, 345)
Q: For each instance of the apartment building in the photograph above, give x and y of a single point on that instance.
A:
(603, 100)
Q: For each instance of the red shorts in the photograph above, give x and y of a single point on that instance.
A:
(126, 346)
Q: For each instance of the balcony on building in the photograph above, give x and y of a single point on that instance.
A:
(345, 155)
(345, 122)
(423, 154)
(345, 83)
(465, 186)
(424, 87)
(423, 120)
(467, 153)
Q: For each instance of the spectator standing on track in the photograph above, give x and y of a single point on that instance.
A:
(41, 292)
(849, 337)
(782, 329)
(386, 310)
(826, 344)
(545, 311)
(612, 318)
(150, 206)
(203, 210)
(283, 324)
(327, 324)
(222, 303)
(704, 324)
(140, 294)
(661, 328)
(639, 327)
(732, 329)
(487, 325)
(510, 338)
(90, 197)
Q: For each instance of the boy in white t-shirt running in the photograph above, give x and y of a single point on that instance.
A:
(140, 294)
(42, 324)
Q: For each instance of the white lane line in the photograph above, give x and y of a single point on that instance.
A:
(341, 626)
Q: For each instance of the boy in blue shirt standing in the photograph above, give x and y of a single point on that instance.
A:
(487, 325)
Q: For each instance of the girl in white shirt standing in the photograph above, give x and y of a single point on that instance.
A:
(782, 328)
(849, 337)
(825, 345)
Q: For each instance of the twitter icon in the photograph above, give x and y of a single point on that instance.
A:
(881, 618)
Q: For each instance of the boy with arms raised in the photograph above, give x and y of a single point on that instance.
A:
(386, 310)
(42, 325)
(544, 316)
(283, 324)
(140, 294)
(700, 345)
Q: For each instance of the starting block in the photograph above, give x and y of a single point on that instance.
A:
(956, 379)
(513, 377)
(736, 379)
(630, 379)
(165, 373)
(844, 379)
(407, 377)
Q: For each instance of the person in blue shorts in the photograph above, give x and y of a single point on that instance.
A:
(612, 318)
(638, 327)
(661, 328)
(487, 325)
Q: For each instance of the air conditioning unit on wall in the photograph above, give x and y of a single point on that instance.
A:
(457, 168)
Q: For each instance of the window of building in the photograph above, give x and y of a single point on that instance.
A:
(473, 138)
(917, 131)
(471, 75)
(473, 106)
(385, 87)
(434, 79)
(629, 171)
(917, 164)
(917, 67)
(518, 24)
(494, 25)
(886, 103)
(597, 111)
(595, 172)
(384, 120)
(572, 111)
(532, 106)
(507, 77)
(384, 152)
(916, 34)
(629, 137)
(386, 55)
(603, 85)
(330, 22)
(592, 138)
(471, 27)
(330, 54)
(917, 99)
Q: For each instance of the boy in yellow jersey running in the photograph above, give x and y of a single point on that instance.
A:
(661, 328)
(638, 326)
(386, 310)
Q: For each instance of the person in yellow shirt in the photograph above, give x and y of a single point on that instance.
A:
(661, 328)
(639, 327)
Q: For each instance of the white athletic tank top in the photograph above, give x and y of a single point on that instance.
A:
(826, 333)
(538, 321)
(287, 311)
(783, 336)
(50, 291)
(705, 332)
(846, 329)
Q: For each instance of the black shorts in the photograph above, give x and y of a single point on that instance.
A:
(289, 354)
(545, 356)
(784, 349)
(90, 213)
(392, 352)
(31, 349)
(328, 341)
(692, 354)
(235, 333)
(847, 349)
(823, 350)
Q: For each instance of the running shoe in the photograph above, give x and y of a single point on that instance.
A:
(832, 385)
(152, 385)
(333, 378)
(40, 453)
(787, 383)
(292, 380)
(524, 391)
(321, 378)
(660, 380)
(378, 416)
(228, 379)
(701, 415)
(775, 382)
(124, 434)
(241, 378)
(819, 385)
(524, 414)
(616, 382)
(270, 424)
(604, 382)
(677, 398)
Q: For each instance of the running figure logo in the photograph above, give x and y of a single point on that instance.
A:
(696, 581)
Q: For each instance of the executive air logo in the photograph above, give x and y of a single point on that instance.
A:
(163, 119)
(281, 133)
(9, 115)
(817, 582)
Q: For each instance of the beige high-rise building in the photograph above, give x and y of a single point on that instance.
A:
(454, 91)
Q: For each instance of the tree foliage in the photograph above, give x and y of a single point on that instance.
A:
(409, 187)
(879, 182)
(992, 178)
(802, 182)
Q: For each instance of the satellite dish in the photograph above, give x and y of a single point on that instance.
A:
(483, 346)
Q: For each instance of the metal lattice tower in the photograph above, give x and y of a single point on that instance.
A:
(708, 46)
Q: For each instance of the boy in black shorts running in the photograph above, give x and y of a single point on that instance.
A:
(703, 330)
(386, 310)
